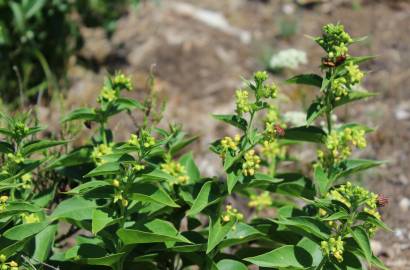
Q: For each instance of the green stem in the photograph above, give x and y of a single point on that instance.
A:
(329, 121)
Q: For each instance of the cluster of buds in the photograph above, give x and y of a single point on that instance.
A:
(229, 143)
(26, 179)
(334, 40)
(147, 140)
(251, 163)
(260, 201)
(20, 129)
(112, 87)
(3, 201)
(341, 143)
(242, 101)
(118, 197)
(120, 82)
(99, 152)
(138, 167)
(341, 85)
(15, 158)
(272, 149)
(263, 90)
(4, 265)
(231, 213)
(30, 218)
(177, 170)
(333, 247)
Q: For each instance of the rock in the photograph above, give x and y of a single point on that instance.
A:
(404, 204)
(377, 247)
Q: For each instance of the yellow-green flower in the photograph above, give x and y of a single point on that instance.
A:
(242, 102)
(251, 163)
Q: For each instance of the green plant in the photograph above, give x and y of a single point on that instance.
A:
(37, 38)
(142, 204)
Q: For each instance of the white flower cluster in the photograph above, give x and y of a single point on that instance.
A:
(290, 58)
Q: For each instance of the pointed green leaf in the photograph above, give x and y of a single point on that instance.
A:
(283, 257)
(362, 240)
(232, 119)
(307, 79)
(23, 231)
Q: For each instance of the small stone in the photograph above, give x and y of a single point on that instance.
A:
(377, 247)
(404, 204)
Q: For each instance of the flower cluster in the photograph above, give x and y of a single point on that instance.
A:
(340, 86)
(251, 163)
(3, 200)
(263, 90)
(175, 169)
(30, 218)
(229, 143)
(242, 101)
(260, 201)
(355, 196)
(333, 247)
(112, 87)
(15, 158)
(231, 213)
(120, 82)
(99, 152)
(290, 58)
(4, 265)
(334, 40)
(146, 139)
(273, 149)
(340, 144)
(26, 179)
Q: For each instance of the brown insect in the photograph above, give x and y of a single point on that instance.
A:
(382, 200)
(279, 130)
(330, 63)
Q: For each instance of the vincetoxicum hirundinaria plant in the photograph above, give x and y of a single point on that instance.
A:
(142, 203)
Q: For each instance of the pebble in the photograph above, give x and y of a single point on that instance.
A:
(404, 204)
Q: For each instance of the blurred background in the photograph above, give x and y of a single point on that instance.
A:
(54, 55)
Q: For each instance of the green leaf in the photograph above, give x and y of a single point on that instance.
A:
(283, 257)
(321, 179)
(352, 166)
(6, 148)
(307, 79)
(105, 169)
(16, 207)
(128, 104)
(233, 120)
(36, 146)
(313, 248)
(353, 96)
(75, 208)
(100, 220)
(242, 233)
(88, 186)
(192, 170)
(23, 231)
(14, 248)
(314, 111)
(160, 232)
(227, 264)
(305, 133)
(362, 240)
(307, 225)
(217, 232)
(203, 200)
(151, 193)
(232, 178)
(34, 8)
(81, 114)
(43, 243)
(108, 260)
